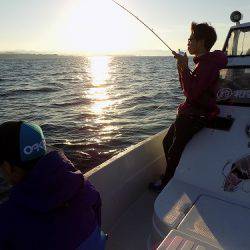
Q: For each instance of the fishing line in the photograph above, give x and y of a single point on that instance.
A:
(144, 24)
(154, 34)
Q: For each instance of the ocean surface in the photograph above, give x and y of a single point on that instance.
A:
(91, 107)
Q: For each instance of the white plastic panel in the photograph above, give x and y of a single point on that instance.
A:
(219, 223)
(173, 203)
(177, 240)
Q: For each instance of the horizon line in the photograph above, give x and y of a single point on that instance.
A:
(80, 53)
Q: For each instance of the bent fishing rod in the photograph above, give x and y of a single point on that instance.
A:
(144, 25)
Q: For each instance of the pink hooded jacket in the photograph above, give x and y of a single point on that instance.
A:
(200, 86)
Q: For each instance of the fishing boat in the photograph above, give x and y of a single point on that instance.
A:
(205, 205)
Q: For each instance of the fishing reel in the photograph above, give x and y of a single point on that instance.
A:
(180, 52)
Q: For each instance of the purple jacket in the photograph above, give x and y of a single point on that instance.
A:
(53, 208)
(200, 86)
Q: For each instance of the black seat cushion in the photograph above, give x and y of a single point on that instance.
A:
(221, 123)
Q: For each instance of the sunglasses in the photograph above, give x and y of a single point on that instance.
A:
(191, 39)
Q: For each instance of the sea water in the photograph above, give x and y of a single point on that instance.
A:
(90, 107)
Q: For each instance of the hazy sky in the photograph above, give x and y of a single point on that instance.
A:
(100, 26)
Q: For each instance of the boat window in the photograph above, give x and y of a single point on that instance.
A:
(241, 39)
(234, 86)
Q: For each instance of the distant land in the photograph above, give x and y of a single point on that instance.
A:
(17, 54)
(127, 53)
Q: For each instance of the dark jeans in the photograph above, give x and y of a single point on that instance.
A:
(178, 135)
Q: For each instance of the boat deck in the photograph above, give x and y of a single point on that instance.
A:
(132, 231)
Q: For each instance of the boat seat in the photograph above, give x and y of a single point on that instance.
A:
(176, 240)
(220, 223)
(172, 204)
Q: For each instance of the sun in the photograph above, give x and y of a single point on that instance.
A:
(96, 26)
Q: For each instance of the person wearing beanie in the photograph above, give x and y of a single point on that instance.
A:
(50, 205)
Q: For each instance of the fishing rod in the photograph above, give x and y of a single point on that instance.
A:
(144, 25)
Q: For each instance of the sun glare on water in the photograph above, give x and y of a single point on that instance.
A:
(99, 70)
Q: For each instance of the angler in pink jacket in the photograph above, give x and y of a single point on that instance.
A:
(199, 87)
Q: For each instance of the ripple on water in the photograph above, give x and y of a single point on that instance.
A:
(90, 113)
